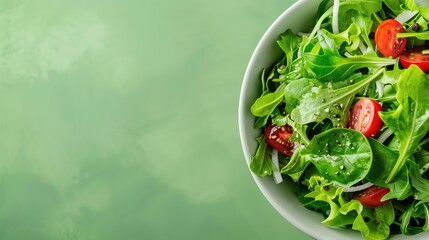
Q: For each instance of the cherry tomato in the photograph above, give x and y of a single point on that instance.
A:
(279, 138)
(371, 197)
(364, 117)
(415, 56)
(387, 42)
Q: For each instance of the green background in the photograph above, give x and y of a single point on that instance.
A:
(118, 120)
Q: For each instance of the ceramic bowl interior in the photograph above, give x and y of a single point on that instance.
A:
(299, 17)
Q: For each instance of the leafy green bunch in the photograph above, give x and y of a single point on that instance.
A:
(312, 88)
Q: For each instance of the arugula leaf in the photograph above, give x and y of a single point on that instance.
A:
(328, 103)
(414, 211)
(261, 163)
(330, 65)
(260, 122)
(410, 121)
(419, 183)
(296, 165)
(299, 132)
(266, 104)
(289, 44)
(394, 6)
(422, 157)
(322, 8)
(419, 35)
(278, 118)
(364, 22)
(341, 155)
(382, 164)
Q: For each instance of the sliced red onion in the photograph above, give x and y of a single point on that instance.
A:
(336, 9)
(358, 188)
(385, 135)
(276, 172)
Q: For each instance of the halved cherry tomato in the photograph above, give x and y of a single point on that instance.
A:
(279, 138)
(415, 56)
(387, 42)
(371, 197)
(364, 117)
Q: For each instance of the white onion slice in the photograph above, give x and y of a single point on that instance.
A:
(385, 135)
(347, 54)
(358, 188)
(404, 16)
(424, 168)
(362, 48)
(276, 172)
(379, 87)
(335, 28)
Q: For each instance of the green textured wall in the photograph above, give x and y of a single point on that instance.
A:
(118, 120)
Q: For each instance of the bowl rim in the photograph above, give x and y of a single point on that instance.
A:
(242, 110)
(317, 232)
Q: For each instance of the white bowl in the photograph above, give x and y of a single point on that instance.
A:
(299, 17)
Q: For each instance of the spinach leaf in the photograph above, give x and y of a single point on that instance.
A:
(341, 155)
(261, 163)
(410, 121)
(266, 104)
(328, 103)
(330, 65)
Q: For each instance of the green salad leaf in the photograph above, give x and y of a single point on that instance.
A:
(324, 191)
(383, 162)
(328, 103)
(414, 211)
(341, 155)
(410, 121)
(266, 104)
(261, 163)
(288, 42)
(296, 89)
(331, 66)
(372, 223)
(419, 183)
(312, 88)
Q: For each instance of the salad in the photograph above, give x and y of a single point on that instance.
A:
(345, 116)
